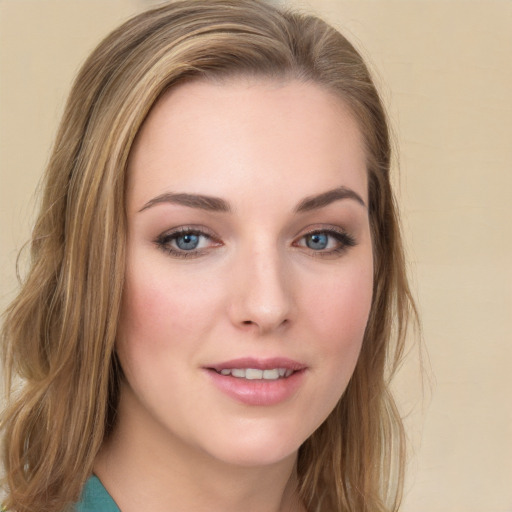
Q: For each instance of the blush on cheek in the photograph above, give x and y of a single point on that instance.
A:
(344, 306)
(141, 307)
(160, 306)
(341, 317)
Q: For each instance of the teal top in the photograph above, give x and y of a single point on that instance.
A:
(95, 498)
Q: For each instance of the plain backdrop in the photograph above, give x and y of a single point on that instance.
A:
(445, 72)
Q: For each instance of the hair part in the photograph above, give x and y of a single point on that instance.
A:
(59, 333)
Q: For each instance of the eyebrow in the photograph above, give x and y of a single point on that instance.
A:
(326, 198)
(216, 204)
(211, 204)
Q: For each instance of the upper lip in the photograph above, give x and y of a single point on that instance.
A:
(259, 364)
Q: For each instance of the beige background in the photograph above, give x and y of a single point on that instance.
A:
(445, 70)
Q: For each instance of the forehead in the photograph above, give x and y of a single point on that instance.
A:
(216, 138)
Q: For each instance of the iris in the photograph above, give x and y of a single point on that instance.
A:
(317, 241)
(187, 242)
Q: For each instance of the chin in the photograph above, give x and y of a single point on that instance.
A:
(251, 457)
(257, 446)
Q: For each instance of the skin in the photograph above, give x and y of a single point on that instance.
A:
(253, 287)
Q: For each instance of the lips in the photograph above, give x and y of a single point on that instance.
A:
(258, 381)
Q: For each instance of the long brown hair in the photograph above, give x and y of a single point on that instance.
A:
(59, 333)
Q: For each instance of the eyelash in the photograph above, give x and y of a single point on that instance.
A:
(165, 240)
(345, 241)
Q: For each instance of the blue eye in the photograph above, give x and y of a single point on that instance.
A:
(326, 242)
(317, 241)
(187, 242)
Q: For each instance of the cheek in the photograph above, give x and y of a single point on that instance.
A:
(339, 313)
(160, 306)
(163, 319)
(338, 310)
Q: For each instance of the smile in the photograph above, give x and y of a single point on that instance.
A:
(258, 382)
(257, 374)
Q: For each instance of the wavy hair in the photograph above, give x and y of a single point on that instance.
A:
(58, 335)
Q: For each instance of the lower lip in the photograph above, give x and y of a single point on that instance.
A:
(258, 392)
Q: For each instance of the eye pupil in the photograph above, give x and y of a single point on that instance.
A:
(317, 241)
(187, 242)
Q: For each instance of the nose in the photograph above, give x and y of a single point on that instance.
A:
(261, 298)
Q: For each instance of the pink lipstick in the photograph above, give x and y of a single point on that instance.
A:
(260, 382)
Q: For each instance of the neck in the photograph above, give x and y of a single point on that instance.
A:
(144, 467)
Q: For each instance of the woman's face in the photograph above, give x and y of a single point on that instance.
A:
(249, 268)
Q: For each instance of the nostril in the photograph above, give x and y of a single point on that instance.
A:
(252, 323)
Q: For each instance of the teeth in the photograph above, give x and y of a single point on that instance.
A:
(255, 374)
(271, 374)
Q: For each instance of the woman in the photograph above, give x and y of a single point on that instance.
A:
(217, 296)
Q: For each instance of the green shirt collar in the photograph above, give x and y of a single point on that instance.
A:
(95, 498)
